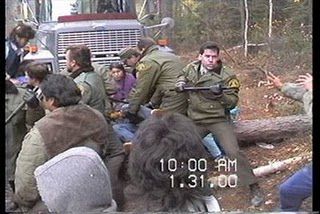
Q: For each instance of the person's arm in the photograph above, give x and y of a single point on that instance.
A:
(86, 92)
(230, 97)
(32, 155)
(291, 90)
(145, 85)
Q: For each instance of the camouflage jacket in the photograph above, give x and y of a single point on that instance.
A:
(298, 93)
(203, 107)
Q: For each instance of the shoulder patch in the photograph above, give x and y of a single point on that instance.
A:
(81, 88)
(234, 83)
(142, 66)
(84, 88)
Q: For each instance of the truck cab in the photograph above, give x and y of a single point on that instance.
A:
(105, 26)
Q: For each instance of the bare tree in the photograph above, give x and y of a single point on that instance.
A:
(270, 18)
(246, 28)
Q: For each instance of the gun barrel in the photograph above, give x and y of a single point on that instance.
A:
(15, 112)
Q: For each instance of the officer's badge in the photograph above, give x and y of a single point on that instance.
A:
(234, 83)
(142, 67)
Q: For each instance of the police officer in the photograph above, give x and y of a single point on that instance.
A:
(93, 94)
(15, 128)
(210, 109)
(130, 57)
(157, 71)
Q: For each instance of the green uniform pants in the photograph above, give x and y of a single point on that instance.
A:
(223, 132)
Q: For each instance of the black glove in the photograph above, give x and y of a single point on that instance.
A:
(216, 89)
(150, 105)
(31, 99)
(133, 118)
(179, 86)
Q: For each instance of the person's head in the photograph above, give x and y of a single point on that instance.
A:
(59, 91)
(21, 34)
(209, 55)
(175, 137)
(145, 43)
(75, 181)
(35, 71)
(129, 56)
(78, 56)
(117, 71)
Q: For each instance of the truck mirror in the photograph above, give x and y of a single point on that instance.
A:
(169, 22)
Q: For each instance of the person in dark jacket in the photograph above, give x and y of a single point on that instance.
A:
(18, 38)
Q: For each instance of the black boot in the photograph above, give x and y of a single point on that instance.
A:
(257, 195)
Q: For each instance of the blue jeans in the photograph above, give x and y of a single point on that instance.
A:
(210, 143)
(295, 189)
(125, 131)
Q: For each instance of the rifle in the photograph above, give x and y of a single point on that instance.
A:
(37, 94)
(214, 88)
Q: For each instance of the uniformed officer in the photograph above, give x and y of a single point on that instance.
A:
(93, 94)
(15, 129)
(130, 57)
(90, 83)
(210, 109)
(157, 72)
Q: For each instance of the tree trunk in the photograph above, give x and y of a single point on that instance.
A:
(270, 18)
(268, 130)
(245, 34)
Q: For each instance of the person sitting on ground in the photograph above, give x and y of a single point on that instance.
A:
(298, 187)
(156, 188)
(123, 82)
(36, 72)
(69, 124)
(75, 181)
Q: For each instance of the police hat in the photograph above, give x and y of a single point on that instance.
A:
(126, 53)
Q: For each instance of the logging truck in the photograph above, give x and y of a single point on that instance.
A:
(105, 26)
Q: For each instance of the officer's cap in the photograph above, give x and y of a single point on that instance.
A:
(126, 53)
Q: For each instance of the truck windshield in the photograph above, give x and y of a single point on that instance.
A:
(50, 10)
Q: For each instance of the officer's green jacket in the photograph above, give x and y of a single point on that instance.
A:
(158, 72)
(203, 106)
(92, 90)
(15, 130)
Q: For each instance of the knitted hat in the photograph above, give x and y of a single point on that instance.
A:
(126, 53)
(75, 181)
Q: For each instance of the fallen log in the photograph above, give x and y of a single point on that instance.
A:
(270, 130)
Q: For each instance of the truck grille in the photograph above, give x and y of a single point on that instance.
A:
(104, 45)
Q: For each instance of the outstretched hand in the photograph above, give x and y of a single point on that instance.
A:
(274, 80)
(305, 81)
